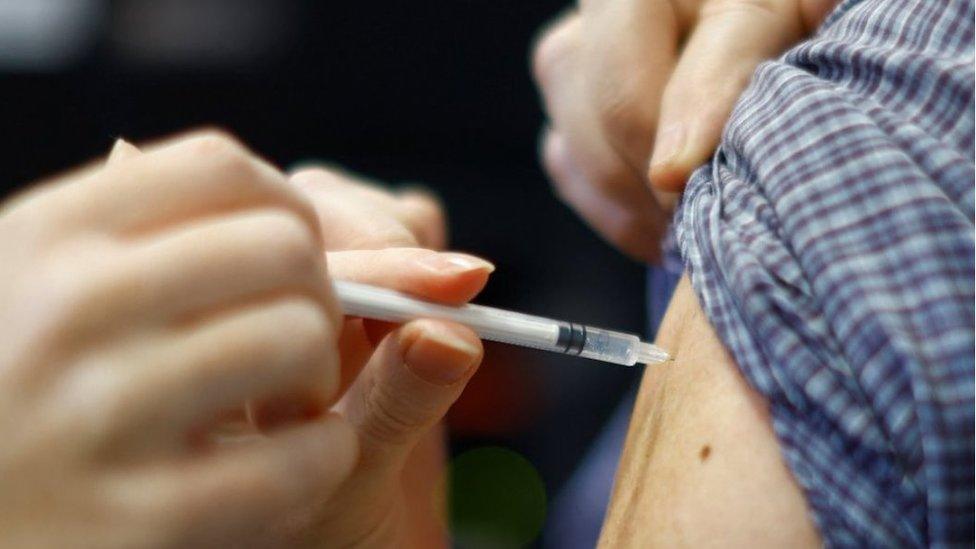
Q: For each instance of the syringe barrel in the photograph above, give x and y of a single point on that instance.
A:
(553, 335)
(495, 324)
(510, 327)
(610, 346)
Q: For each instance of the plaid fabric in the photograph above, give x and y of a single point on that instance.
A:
(831, 243)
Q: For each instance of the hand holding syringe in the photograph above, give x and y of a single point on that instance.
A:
(504, 326)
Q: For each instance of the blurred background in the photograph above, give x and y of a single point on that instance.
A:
(436, 92)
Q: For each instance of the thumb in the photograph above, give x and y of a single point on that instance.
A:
(450, 278)
(729, 40)
(414, 377)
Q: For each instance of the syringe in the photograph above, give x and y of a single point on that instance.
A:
(498, 325)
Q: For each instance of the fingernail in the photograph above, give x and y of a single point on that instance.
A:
(440, 355)
(670, 145)
(454, 263)
(665, 171)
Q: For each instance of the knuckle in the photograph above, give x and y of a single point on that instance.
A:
(119, 282)
(396, 236)
(392, 235)
(424, 207)
(387, 423)
(217, 138)
(573, 187)
(102, 412)
(98, 289)
(316, 176)
(546, 53)
(309, 333)
(291, 238)
(120, 401)
(578, 181)
(554, 161)
(554, 46)
(431, 210)
(308, 326)
(230, 166)
(384, 428)
(224, 158)
(563, 193)
(303, 207)
(560, 181)
(622, 109)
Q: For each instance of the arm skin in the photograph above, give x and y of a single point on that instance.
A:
(701, 465)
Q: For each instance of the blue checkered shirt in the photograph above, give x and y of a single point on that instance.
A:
(830, 241)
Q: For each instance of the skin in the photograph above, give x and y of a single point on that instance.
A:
(701, 465)
(637, 93)
(149, 299)
(397, 382)
(175, 371)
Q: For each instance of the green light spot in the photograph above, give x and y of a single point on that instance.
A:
(496, 497)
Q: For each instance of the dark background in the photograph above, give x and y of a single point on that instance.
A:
(433, 92)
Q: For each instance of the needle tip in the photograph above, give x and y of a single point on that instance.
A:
(652, 354)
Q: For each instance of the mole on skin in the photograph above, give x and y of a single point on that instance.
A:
(705, 452)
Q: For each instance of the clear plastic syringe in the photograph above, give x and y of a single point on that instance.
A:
(505, 326)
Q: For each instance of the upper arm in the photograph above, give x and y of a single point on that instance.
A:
(701, 462)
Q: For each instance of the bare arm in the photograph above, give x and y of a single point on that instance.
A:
(701, 464)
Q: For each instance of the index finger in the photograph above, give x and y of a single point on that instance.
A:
(451, 278)
(356, 214)
(444, 277)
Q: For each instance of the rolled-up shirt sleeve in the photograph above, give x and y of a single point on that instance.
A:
(831, 243)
